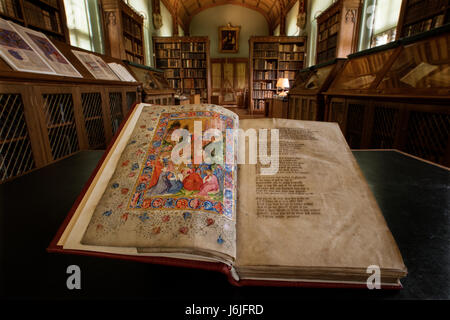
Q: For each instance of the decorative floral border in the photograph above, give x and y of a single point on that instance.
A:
(138, 199)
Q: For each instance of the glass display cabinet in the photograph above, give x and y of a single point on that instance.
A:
(397, 97)
(156, 89)
(306, 101)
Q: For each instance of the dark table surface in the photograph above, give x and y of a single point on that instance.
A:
(413, 195)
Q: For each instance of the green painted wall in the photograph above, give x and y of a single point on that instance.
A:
(207, 22)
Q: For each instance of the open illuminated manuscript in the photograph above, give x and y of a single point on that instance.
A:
(182, 182)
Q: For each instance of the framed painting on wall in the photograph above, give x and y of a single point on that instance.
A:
(229, 39)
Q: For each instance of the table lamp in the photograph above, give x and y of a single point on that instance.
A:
(282, 83)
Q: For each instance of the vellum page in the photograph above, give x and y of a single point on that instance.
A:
(317, 211)
(143, 203)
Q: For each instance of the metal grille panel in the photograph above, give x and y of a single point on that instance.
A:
(115, 105)
(304, 113)
(61, 127)
(312, 110)
(385, 125)
(131, 99)
(355, 123)
(337, 113)
(16, 155)
(428, 135)
(93, 119)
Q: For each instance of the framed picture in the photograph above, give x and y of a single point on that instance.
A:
(229, 39)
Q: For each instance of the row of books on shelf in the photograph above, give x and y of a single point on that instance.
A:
(9, 8)
(263, 94)
(290, 65)
(131, 27)
(193, 46)
(168, 63)
(168, 46)
(175, 84)
(424, 25)
(135, 59)
(332, 20)
(167, 53)
(291, 47)
(133, 46)
(328, 43)
(328, 33)
(265, 64)
(190, 55)
(415, 10)
(291, 56)
(41, 17)
(265, 75)
(194, 63)
(185, 73)
(264, 85)
(326, 55)
(265, 54)
(194, 83)
(266, 46)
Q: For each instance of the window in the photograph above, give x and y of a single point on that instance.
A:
(379, 22)
(83, 22)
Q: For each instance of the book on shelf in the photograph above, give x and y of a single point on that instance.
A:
(311, 222)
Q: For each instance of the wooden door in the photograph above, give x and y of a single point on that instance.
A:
(230, 81)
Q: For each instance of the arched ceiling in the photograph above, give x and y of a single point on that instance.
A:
(185, 10)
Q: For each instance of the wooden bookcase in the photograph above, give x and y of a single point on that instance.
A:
(418, 16)
(272, 58)
(337, 30)
(47, 16)
(124, 31)
(383, 99)
(46, 118)
(186, 64)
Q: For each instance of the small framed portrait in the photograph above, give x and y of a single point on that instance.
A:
(229, 39)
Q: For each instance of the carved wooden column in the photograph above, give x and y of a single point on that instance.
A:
(114, 45)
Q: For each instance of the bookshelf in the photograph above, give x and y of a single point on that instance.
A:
(337, 30)
(47, 16)
(272, 58)
(124, 31)
(186, 64)
(419, 16)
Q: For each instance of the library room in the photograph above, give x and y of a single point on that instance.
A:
(259, 149)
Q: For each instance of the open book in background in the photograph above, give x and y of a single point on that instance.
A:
(315, 222)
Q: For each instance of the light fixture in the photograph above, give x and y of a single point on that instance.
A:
(283, 84)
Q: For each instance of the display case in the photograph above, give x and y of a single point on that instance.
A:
(155, 87)
(397, 97)
(46, 118)
(306, 100)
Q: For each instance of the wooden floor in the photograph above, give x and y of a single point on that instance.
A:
(244, 114)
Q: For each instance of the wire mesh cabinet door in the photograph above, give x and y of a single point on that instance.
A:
(21, 149)
(58, 113)
(116, 108)
(92, 101)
